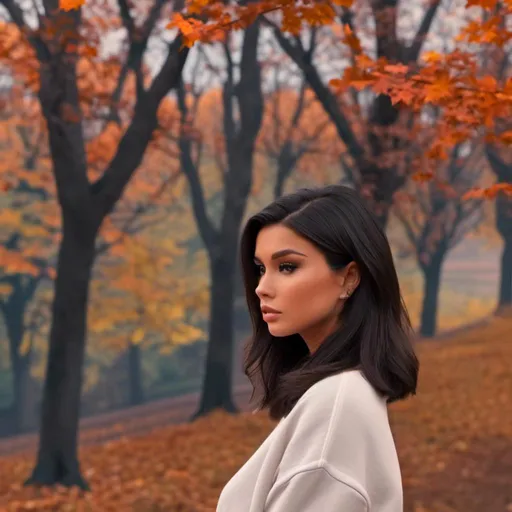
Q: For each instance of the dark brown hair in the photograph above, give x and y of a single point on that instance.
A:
(375, 332)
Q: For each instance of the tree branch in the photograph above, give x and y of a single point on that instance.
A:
(228, 91)
(413, 51)
(109, 188)
(138, 42)
(349, 172)
(276, 117)
(126, 18)
(467, 217)
(501, 169)
(324, 95)
(206, 227)
(16, 14)
(299, 109)
(127, 228)
(407, 224)
(385, 14)
(250, 105)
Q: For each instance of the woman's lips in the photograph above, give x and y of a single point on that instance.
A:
(270, 317)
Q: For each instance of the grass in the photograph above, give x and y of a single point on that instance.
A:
(454, 441)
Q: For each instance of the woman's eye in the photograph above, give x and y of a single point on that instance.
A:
(287, 267)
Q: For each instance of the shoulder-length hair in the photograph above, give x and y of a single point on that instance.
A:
(375, 333)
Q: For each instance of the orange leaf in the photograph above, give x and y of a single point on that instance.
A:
(69, 5)
(432, 57)
(439, 89)
(405, 96)
(422, 176)
(351, 39)
(506, 137)
(486, 4)
(488, 83)
(399, 69)
(490, 192)
(89, 51)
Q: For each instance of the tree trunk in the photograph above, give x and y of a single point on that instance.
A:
(217, 382)
(22, 404)
(503, 171)
(57, 460)
(505, 293)
(14, 316)
(504, 227)
(285, 165)
(222, 244)
(279, 185)
(432, 280)
(136, 389)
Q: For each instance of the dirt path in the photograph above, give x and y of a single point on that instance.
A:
(130, 421)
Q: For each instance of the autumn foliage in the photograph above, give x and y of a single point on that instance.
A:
(473, 99)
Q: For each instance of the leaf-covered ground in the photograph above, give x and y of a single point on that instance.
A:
(454, 440)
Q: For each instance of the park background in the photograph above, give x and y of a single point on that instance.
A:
(246, 123)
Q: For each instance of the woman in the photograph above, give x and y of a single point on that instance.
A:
(331, 347)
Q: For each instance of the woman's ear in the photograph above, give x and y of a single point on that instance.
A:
(351, 277)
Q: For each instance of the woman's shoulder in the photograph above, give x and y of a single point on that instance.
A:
(348, 391)
(348, 381)
(339, 419)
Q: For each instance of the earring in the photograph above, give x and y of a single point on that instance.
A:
(346, 296)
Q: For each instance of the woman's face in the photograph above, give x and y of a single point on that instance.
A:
(296, 281)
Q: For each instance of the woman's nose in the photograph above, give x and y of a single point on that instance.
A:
(262, 290)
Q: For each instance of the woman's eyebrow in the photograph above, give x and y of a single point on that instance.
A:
(281, 253)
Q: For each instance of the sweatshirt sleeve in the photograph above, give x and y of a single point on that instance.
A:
(313, 490)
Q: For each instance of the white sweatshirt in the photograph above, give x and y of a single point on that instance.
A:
(334, 452)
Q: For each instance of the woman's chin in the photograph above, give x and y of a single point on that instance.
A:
(278, 331)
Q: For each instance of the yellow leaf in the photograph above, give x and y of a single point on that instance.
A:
(138, 336)
(10, 218)
(33, 231)
(186, 334)
(101, 325)
(5, 290)
(25, 345)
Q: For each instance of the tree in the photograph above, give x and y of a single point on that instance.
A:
(30, 229)
(474, 98)
(500, 161)
(436, 217)
(242, 112)
(400, 81)
(472, 87)
(58, 45)
(143, 296)
(29, 232)
(375, 152)
(294, 127)
(496, 61)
